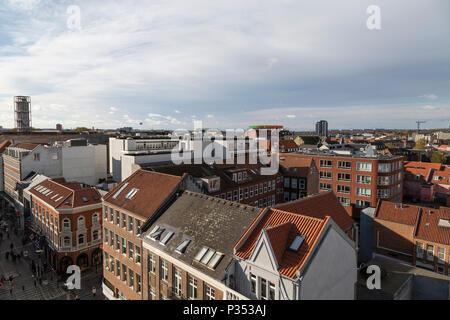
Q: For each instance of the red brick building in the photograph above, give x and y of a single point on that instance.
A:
(68, 217)
(359, 181)
(415, 234)
(127, 208)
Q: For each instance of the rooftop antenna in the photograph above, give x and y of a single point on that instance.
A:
(418, 125)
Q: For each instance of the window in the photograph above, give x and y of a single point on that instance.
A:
(265, 187)
(131, 278)
(362, 203)
(131, 194)
(138, 283)
(95, 218)
(263, 288)
(383, 193)
(363, 179)
(151, 262)
(326, 163)
(117, 218)
(164, 270)
(130, 223)
(124, 246)
(441, 255)
(253, 283)
(37, 157)
(183, 245)
(130, 250)
(95, 235)
(325, 175)
(344, 176)
(301, 183)
(117, 242)
(192, 288)
(166, 238)
(286, 196)
(67, 242)
(271, 291)
(251, 192)
(66, 223)
(111, 239)
(210, 293)
(366, 192)
(384, 167)
(177, 282)
(295, 245)
(344, 201)
(344, 165)
(229, 196)
(124, 220)
(124, 273)
(430, 252)
(343, 189)
(118, 269)
(364, 166)
(383, 180)
(235, 195)
(294, 183)
(105, 232)
(151, 294)
(325, 186)
(105, 212)
(241, 194)
(111, 215)
(256, 190)
(138, 227)
(138, 254)
(419, 250)
(81, 239)
(287, 182)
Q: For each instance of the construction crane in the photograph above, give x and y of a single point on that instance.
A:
(418, 125)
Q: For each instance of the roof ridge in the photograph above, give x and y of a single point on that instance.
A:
(296, 214)
(225, 201)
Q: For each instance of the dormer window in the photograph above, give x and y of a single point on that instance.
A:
(295, 245)
(166, 238)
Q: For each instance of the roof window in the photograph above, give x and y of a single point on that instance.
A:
(295, 245)
(120, 190)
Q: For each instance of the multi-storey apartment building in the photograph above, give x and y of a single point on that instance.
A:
(135, 202)
(289, 256)
(188, 251)
(74, 160)
(415, 234)
(357, 180)
(242, 183)
(300, 177)
(427, 182)
(67, 219)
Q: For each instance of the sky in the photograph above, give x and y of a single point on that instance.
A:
(153, 64)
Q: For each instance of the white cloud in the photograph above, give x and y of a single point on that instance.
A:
(431, 96)
(290, 116)
(209, 116)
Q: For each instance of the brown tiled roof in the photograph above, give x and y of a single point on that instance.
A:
(4, 145)
(60, 194)
(278, 237)
(153, 189)
(443, 175)
(290, 161)
(27, 146)
(288, 144)
(291, 262)
(428, 227)
(422, 168)
(320, 206)
(397, 212)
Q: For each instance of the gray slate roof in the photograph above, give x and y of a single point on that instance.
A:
(206, 221)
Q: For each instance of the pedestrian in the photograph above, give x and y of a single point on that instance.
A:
(23, 288)
(94, 291)
(35, 283)
(77, 297)
(10, 291)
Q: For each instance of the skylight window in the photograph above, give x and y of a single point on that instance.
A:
(200, 254)
(56, 200)
(157, 234)
(166, 238)
(54, 196)
(84, 199)
(215, 260)
(208, 255)
(183, 246)
(120, 190)
(131, 194)
(295, 245)
(49, 193)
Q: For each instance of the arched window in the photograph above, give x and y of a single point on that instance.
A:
(95, 218)
(66, 223)
(81, 239)
(95, 235)
(67, 242)
(81, 223)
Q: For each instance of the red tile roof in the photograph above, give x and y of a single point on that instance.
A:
(290, 262)
(422, 168)
(397, 212)
(4, 145)
(153, 189)
(288, 144)
(60, 194)
(288, 161)
(320, 206)
(441, 176)
(428, 228)
(27, 146)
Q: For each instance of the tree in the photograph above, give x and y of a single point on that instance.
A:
(81, 129)
(420, 145)
(438, 157)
